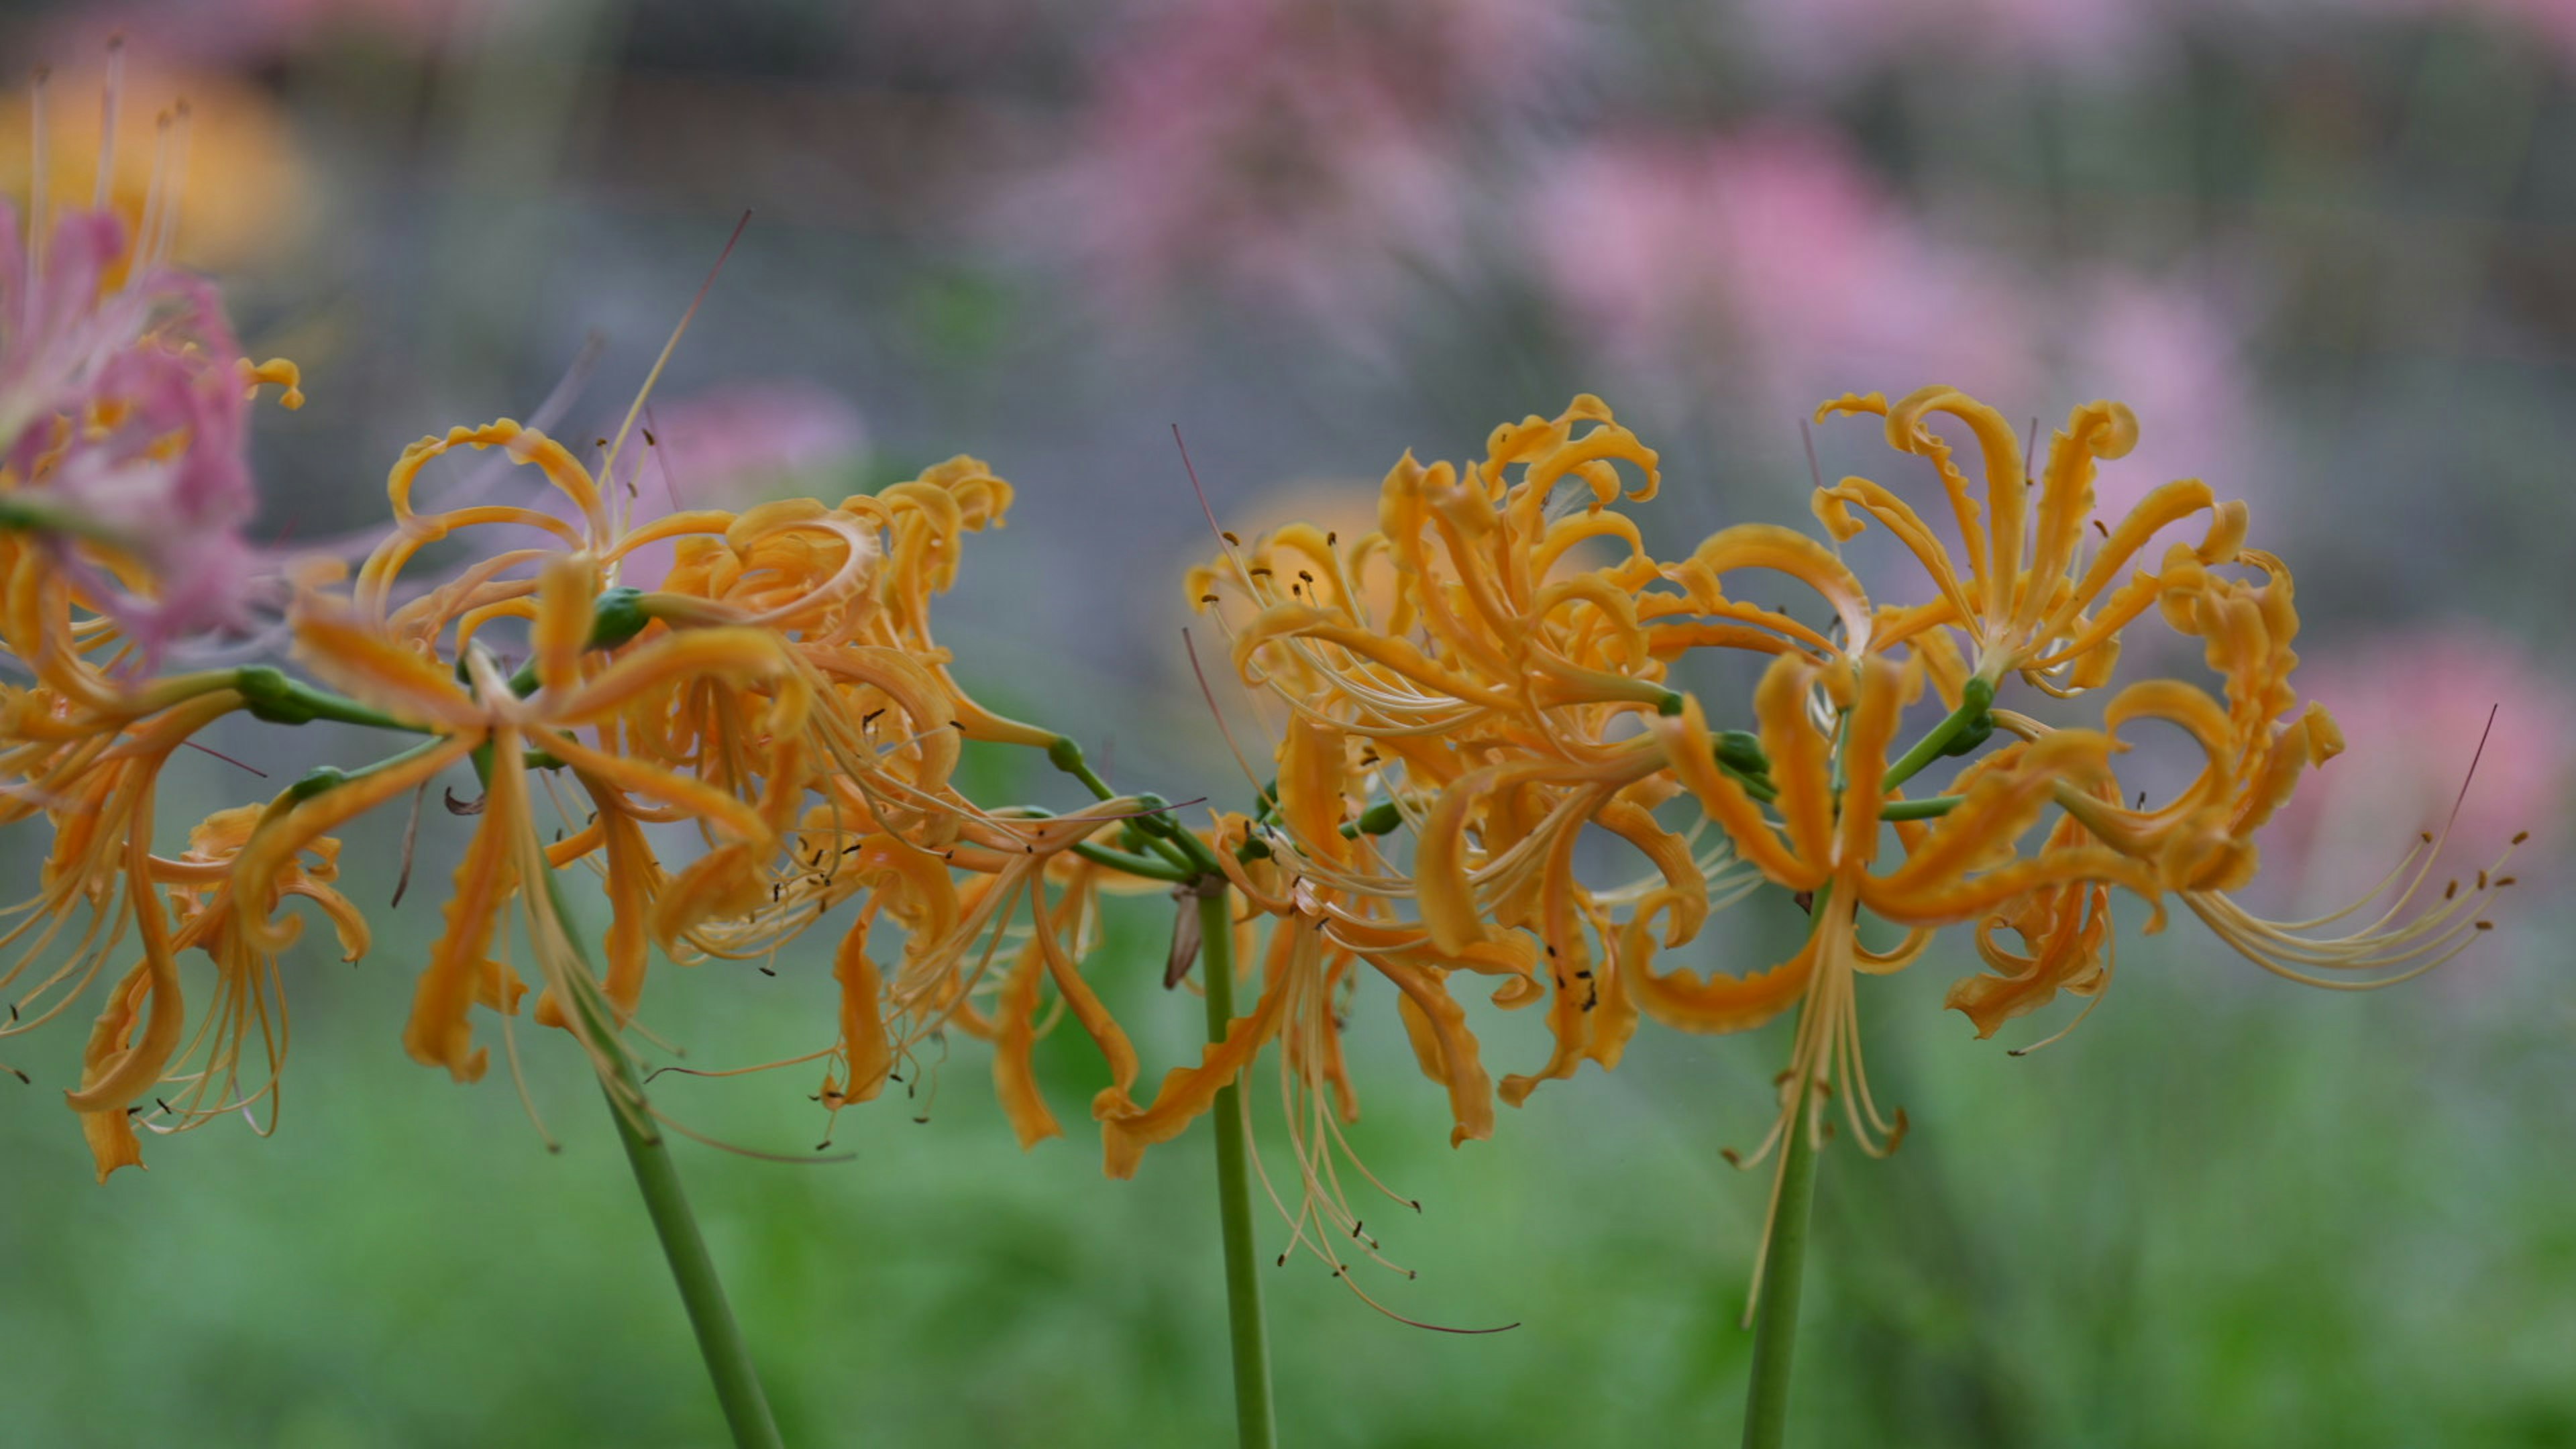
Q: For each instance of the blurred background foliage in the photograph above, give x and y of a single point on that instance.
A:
(2322, 246)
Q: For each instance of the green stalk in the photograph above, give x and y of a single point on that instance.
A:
(1775, 1330)
(1132, 864)
(1949, 736)
(1256, 1421)
(1159, 830)
(720, 1341)
(269, 694)
(657, 1178)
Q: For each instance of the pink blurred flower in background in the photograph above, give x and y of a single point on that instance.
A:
(1301, 153)
(2413, 705)
(124, 423)
(726, 447)
(1840, 40)
(2176, 357)
(1767, 262)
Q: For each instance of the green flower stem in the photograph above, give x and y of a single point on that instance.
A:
(616, 616)
(720, 1341)
(269, 694)
(23, 514)
(1133, 864)
(1754, 785)
(331, 777)
(1775, 1330)
(1976, 705)
(1766, 1402)
(1256, 1421)
(657, 1177)
(1923, 809)
(1168, 840)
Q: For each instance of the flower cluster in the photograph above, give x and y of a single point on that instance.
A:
(1496, 670)
(779, 699)
(1490, 706)
(769, 732)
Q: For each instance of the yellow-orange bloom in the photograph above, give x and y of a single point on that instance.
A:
(1489, 746)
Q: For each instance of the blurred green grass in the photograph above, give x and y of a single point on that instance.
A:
(2227, 1211)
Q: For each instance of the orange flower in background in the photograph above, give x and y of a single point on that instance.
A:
(200, 164)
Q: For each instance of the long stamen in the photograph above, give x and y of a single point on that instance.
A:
(37, 183)
(608, 465)
(110, 96)
(155, 198)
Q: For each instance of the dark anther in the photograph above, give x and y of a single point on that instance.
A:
(1230, 538)
(1805, 901)
(768, 971)
(463, 807)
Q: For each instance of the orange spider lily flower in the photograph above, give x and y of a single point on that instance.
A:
(1490, 730)
(1485, 568)
(573, 690)
(853, 803)
(2028, 602)
(205, 1076)
(1489, 746)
